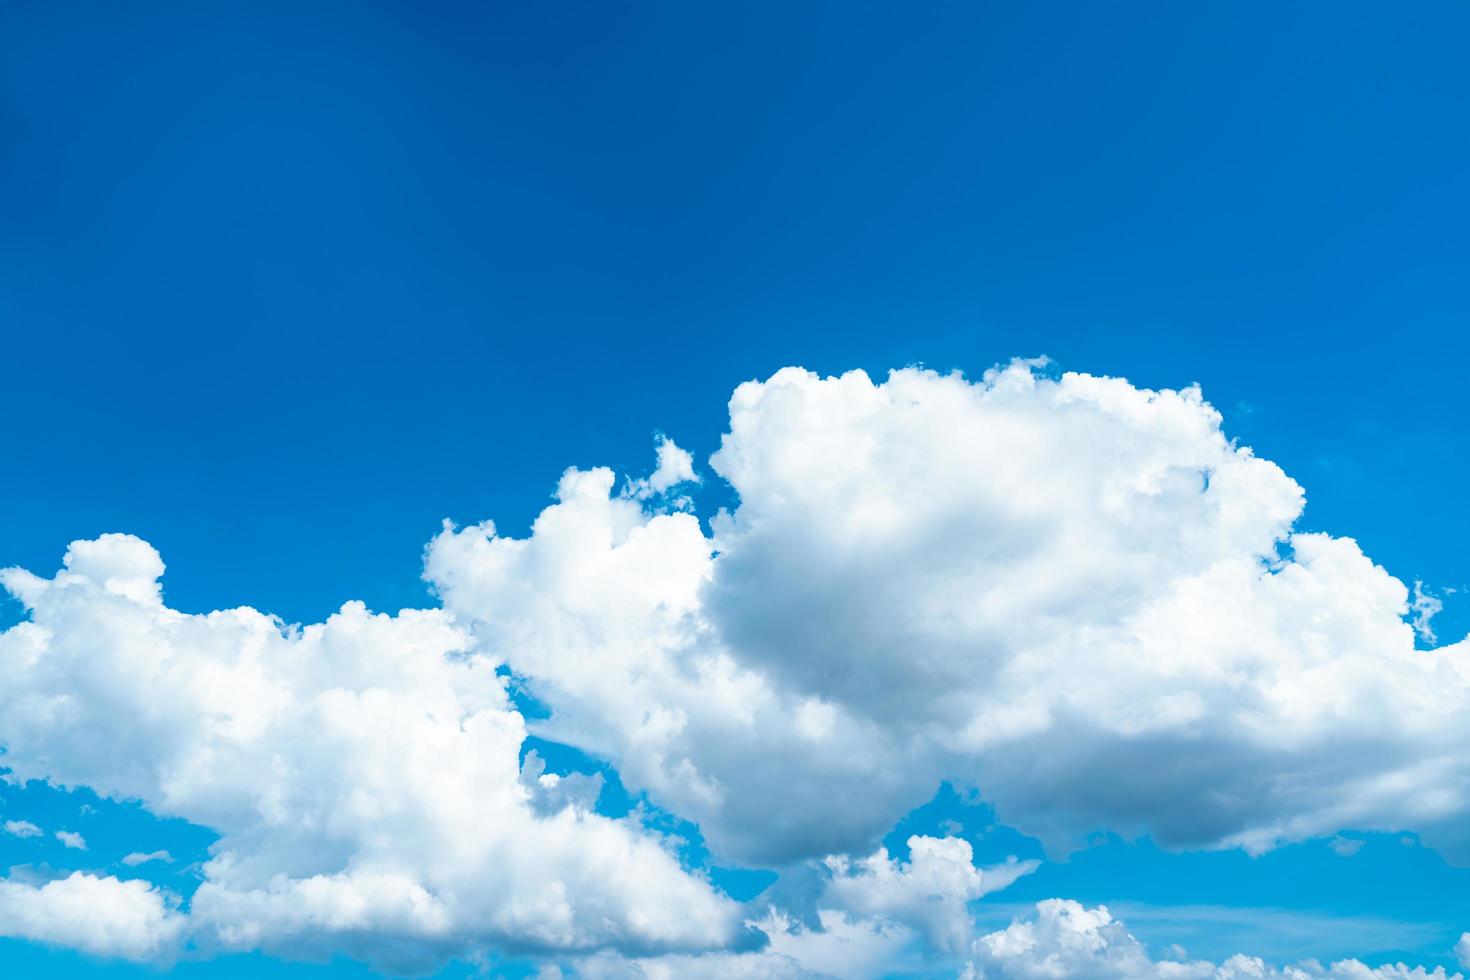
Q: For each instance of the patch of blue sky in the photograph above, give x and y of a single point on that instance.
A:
(111, 831)
(30, 960)
(1377, 896)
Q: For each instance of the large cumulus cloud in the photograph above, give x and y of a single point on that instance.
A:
(1078, 597)
(363, 773)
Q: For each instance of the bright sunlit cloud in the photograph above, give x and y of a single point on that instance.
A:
(1076, 598)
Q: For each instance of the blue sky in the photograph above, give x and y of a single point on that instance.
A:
(282, 289)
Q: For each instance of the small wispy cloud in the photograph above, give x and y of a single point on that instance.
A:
(22, 828)
(138, 857)
(72, 840)
(1423, 609)
(1276, 933)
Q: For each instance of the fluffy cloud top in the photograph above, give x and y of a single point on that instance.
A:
(1077, 596)
(675, 466)
(931, 892)
(873, 917)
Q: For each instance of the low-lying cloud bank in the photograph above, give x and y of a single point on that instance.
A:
(1075, 596)
(1059, 939)
(1064, 939)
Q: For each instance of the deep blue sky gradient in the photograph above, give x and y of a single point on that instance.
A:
(282, 286)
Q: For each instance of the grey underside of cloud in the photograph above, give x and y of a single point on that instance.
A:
(1076, 596)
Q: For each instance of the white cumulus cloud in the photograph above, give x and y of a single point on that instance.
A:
(1077, 595)
(363, 773)
(100, 916)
